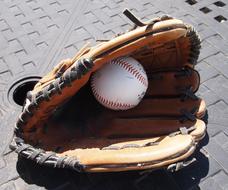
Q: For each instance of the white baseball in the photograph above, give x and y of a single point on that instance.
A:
(120, 84)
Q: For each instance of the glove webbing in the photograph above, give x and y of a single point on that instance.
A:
(76, 72)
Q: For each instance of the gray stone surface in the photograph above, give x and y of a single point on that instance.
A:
(36, 35)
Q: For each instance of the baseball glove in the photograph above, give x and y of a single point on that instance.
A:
(63, 126)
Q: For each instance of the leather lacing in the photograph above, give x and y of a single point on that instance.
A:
(184, 72)
(62, 162)
(76, 72)
(138, 23)
(186, 93)
(195, 43)
(45, 158)
(42, 157)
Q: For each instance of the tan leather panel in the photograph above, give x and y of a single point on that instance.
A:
(130, 48)
(202, 109)
(147, 154)
(158, 36)
(142, 166)
(163, 56)
(199, 131)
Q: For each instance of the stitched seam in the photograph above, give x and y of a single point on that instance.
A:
(109, 102)
(112, 147)
(126, 66)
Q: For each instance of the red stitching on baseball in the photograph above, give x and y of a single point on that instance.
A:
(125, 65)
(108, 102)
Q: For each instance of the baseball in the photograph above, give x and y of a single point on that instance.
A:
(120, 84)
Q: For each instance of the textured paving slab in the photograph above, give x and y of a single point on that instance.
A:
(36, 35)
